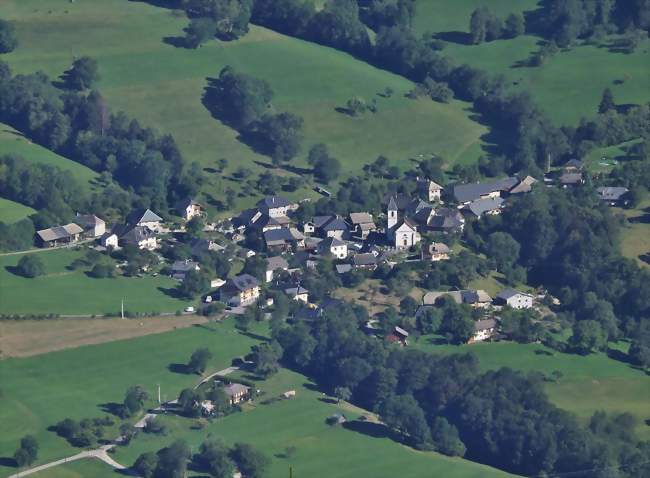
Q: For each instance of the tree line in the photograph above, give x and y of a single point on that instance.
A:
(502, 418)
(80, 126)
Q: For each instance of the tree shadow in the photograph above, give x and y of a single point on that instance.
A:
(8, 462)
(15, 271)
(344, 111)
(328, 400)
(375, 430)
(252, 335)
(112, 408)
(176, 42)
(645, 258)
(311, 386)
(179, 368)
(461, 38)
(172, 292)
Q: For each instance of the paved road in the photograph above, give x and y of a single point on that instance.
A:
(100, 453)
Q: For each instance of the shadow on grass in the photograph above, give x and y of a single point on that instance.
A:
(375, 430)
(172, 292)
(15, 271)
(251, 335)
(112, 408)
(179, 368)
(331, 401)
(8, 462)
(177, 42)
(461, 38)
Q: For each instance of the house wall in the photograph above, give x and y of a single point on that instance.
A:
(340, 252)
(278, 211)
(520, 301)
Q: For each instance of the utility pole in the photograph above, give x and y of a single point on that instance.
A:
(158, 394)
(122, 308)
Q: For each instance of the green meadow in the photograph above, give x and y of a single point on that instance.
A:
(11, 211)
(356, 449)
(162, 85)
(39, 391)
(587, 384)
(568, 86)
(63, 291)
(13, 142)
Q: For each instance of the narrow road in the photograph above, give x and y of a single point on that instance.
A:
(101, 453)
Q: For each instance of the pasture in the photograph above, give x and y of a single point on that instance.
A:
(13, 142)
(358, 448)
(634, 236)
(588, 383)
(73, 292)
(568, 86)
(37, 392)
(162, 85)
(11, 211)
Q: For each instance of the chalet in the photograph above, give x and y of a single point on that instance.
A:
(333, 246)
(524, 186)
(57, 235)
(181, 268)
(476, 298)
(437, 251)
(276, 206)
(329, 226)
(362, 224)
(343, 268)
(283, 239)
(614, 196)
(237, 393)
(298, 293)
(489, 206)
(514, 299)
(189, 209)
(241, 290)
(92, 225)
(144, 218)
(274, 265)
(201, 246)
(366, 261)
(483, 330)
(254, 219)
(447, 220)
(573, 166)
(109, 239)
(428, 189)
(467, 193)
(571, 179)
(140, 236)
(398, 336)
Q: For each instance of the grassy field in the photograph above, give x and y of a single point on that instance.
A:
(162, 85)
(568, 86)
(12, 142)
(634, 236)
(360, 449)
(37, 392)
(11, 211)
(80, 469)
(25, 338)
(61, 291)
(594, 382)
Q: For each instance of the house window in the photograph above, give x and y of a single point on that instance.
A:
(406, 242)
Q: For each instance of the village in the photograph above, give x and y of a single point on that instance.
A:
(281, 248)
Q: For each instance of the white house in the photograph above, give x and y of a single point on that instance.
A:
(140, 236)
(404, 234)
(189, 209)
(275, 206)
(429, 189)
(145, 218)
(109, 239)
(298, 293)
(241, 290)
(334, 246)
(91, 224)
(514, 299)
(483, 330)
(437, 251)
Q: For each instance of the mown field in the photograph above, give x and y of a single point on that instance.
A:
(635, 242)
(11, 211)
(13, 142)
(39, 391)
(353, 450)
(568, 86)
(588, 383)
(162, 85)
(63, 291)
(79, 469)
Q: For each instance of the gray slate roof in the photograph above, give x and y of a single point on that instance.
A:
(244, 282)
(509, 293)
(481, 206)
(471, 192)
(271, 202)
(612, 193)
(142, 215)
(278, 236)
(485, 324)
(135, 234)
(276, 262)
(235, 389)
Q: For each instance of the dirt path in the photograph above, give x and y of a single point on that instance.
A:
(24, 338)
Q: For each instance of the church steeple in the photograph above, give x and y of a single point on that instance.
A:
(391, 212)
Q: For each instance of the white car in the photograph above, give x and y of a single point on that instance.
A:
(189, 309)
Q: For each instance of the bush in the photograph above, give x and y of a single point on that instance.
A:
(31, 266)
(8, 41)
(102, 271)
